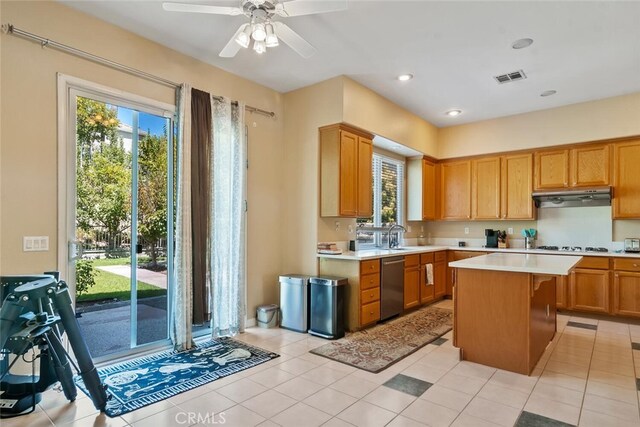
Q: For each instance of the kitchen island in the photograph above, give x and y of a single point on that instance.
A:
(504, 307)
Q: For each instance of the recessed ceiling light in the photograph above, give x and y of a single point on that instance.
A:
(548, 93)
(453, 113)
(405, 77)
(522, 43)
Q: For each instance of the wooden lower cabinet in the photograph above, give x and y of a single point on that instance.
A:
(561, 292)
(440, 279)
(626, 293)
(450, 272)
(589, 290)
(411, 281)
(427, 291)
(370, 313)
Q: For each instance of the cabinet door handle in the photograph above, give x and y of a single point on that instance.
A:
(547, 310)
(371, 296)
(635, 265)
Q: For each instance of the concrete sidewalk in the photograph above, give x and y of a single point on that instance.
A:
(146, 276)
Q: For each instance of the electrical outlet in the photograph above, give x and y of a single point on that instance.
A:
(510, 230)
(350, 228)
(337, 225)
(466, 230)
(35, 243)
(408, 229)
(422, 228)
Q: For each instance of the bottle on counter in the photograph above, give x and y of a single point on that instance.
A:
(422, 241)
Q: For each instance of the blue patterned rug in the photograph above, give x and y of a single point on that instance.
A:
(146, 380)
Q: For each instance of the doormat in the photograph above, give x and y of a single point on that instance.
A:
(146, 380)
(383, 345)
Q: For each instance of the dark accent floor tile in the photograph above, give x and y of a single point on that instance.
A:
(409, 385)
(635, 345)
(582, 325)
(528, 419)
(638, 384)
(439, 341)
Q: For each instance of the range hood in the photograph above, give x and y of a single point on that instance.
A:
(565, 198)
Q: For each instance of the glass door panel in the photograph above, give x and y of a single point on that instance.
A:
(121, 217)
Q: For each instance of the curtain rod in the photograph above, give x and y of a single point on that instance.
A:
(44, 42)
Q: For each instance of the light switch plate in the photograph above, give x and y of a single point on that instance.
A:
(35, 243)
(466, 230)
(510, 230)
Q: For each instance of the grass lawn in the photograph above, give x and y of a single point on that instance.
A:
(111, 261)
(109, 285)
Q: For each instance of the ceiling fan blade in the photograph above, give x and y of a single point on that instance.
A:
(201, 8)
(295, 42)
(306, 7)
(232, 47)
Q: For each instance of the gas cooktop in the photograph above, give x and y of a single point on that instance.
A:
(572, 249)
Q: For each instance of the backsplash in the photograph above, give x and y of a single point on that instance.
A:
(585, 226)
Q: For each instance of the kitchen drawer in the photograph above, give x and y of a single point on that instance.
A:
(599, 263)
(370, 313)
(426, 258)
(460, 255)
(441, 256)
(370, 266)
(626, 264)
(369, 295)
(411, 260)
(369, 281)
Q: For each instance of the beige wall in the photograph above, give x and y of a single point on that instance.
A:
(28, 141)
(367, 110)
(588, 121)
(305, 110)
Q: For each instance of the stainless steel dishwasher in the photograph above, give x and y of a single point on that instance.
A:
(392, 289)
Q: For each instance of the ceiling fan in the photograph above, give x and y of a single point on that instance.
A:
(264, 31)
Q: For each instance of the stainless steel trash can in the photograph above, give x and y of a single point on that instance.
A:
(267, 316)
(294, 302)
(328, 306)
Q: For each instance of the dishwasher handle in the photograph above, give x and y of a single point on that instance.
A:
(400, 261)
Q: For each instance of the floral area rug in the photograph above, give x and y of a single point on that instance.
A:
(146, 380)
(381, 346)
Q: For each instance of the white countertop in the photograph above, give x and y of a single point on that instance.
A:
(521, 263)
(408, 250)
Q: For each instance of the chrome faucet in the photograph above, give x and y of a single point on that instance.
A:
(394, 238)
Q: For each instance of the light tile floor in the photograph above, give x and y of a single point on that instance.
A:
(586, 377)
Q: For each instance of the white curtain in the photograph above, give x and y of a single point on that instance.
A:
(227, 225)
(181, 289)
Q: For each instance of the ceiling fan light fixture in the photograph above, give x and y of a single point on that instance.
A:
(259, 33)
(259, 46)
(244, 37)
(272, 39)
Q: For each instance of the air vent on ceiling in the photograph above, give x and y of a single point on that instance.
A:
(510, 77)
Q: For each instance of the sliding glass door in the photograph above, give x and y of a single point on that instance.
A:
(121, 243)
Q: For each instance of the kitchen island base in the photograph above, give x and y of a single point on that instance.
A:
(504, 319)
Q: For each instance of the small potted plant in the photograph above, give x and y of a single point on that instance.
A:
(502, 239)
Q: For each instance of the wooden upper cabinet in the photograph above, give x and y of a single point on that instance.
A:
(585, 166)
(552, 169)
(626, 180)
(365, 189)
(590, 166)
(517, 186)
(348, 174)
(455, 190)
(345, 172)
(421, 190)
(485, 188)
